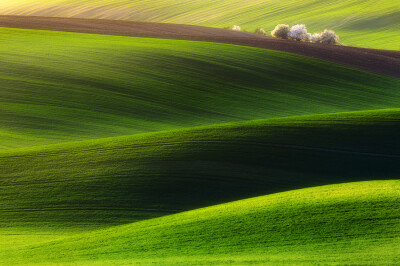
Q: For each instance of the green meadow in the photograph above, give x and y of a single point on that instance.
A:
(60, 87)
(335, 224)
(367, 23)
(118, 150)
(52, 192)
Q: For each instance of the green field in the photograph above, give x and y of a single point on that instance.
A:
(68, 87)
(110, 145)
(368, 23)
(57, 189)
(336, 224)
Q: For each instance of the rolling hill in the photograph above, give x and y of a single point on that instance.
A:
(60, 87)
(336, 224)
(379, 61)
(109, 145)
(100, 183)
(370, 23)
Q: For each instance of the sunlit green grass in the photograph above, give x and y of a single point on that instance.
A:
(353, 223)
(367, 23)
(57, 87)
(102, 131)
(99, 183)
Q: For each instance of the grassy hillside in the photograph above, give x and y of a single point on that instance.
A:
(98, 132)
(92, 184)
(369, 23)
(355, 223)
(57, 87)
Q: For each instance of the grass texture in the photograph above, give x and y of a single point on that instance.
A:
(100, 136)
(369, 23)
(99, 183)
(59, 87)
(335, 224)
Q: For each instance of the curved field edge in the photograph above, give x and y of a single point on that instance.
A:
(346, 223)
(70, 86)
(370, 23)
(99, 183)
(378, 61)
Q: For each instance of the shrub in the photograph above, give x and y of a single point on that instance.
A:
(299, 33)
(316, 37)
(307, 37)
(281, 31)
(236, 28)
(260, 31)
(329, 37)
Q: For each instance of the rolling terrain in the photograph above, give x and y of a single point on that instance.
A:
(179, 144)
(379, 61)
(106, 182)
(336, 224)
(69, 86)
(370, 23)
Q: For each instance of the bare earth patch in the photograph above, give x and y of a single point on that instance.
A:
(380, 61)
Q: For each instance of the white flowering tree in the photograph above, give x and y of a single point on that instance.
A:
(325, 37)
(299, 33)
(329, 37)
(236, 28)
(316, 37)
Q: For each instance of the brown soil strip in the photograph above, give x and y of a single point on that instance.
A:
(379, 61)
